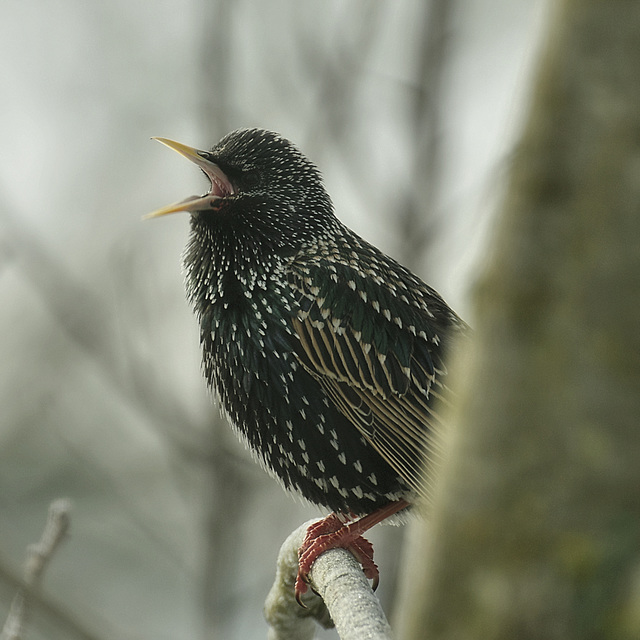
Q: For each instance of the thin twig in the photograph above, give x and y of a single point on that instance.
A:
(38, 557)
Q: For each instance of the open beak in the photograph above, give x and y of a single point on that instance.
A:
(220, 185)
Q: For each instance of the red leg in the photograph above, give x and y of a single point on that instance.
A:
(335, 531)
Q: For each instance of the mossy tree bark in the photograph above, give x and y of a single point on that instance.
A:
(536, 532)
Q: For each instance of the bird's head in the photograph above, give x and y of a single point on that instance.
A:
(255, 176)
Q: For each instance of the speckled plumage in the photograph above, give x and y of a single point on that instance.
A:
(326, 354)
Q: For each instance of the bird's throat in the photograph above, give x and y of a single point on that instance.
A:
(225, 269)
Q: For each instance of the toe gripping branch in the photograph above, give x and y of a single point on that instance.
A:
(341, 531)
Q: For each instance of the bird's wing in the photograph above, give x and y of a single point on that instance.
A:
(374, 351)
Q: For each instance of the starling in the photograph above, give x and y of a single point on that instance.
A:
(326, 355)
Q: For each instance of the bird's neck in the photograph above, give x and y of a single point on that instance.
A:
(225, 270)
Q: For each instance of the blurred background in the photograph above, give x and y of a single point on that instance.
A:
(410, 109)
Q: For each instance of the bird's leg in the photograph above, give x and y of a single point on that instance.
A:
(335, 531)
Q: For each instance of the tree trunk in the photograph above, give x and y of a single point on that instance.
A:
(536, 532)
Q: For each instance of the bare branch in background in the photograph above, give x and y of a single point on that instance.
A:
(338, 78)
(38, 557)
(87, 320)
(41, 604)
(419, 216)
(30, 596)
(216, 78)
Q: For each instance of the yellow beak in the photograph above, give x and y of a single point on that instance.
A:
(221, 186)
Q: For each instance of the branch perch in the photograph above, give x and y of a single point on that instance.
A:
(344, 597)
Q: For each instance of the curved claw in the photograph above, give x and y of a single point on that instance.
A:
(300, 589)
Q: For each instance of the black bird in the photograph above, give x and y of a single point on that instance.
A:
(325, 354)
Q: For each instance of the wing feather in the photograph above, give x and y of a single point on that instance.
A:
(382, 374)
(374, 336)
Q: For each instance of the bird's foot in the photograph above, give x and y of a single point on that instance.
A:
(333, 532)
(342, 531)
